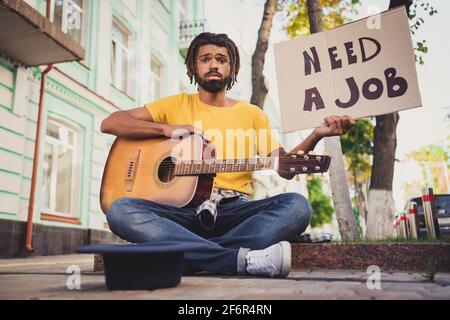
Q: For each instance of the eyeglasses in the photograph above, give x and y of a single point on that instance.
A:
(205, 60)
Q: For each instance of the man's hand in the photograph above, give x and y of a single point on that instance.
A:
(176, 131)
(335, 126)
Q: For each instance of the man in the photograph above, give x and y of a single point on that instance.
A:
(246, 237)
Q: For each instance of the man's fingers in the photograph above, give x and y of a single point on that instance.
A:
(329, 122)
(345, 123)
(350, 122)
(200, 133)
(338, 122)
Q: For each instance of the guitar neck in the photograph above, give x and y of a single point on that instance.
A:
(194, 167)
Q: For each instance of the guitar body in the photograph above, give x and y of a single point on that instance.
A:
(144, 168)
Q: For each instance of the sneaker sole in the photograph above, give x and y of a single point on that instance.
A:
(286, 258)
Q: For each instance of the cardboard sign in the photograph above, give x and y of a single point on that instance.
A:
(364, 68)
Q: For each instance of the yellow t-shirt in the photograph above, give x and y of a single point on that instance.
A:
(238, 132)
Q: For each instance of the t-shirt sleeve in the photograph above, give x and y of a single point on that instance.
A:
(266, 138)
(162, 110)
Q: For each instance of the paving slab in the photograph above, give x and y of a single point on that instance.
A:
(47, 278)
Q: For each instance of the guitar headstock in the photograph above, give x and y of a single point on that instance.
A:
(294, 164)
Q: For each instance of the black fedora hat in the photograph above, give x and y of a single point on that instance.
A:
(141, 265)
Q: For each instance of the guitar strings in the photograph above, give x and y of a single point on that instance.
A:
(259, 165)
(239, 164)
(165, 169)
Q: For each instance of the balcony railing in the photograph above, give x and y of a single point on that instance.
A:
(29, 39)
(188, 30)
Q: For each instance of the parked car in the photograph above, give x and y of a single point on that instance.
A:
(442, 210)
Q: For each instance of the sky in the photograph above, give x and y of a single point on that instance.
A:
(417, 127)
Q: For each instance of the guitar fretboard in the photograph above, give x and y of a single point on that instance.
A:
(193, 167)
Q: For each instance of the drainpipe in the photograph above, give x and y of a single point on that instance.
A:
(29, 231)
(47, 9)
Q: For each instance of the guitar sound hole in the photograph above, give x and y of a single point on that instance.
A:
(166, 170)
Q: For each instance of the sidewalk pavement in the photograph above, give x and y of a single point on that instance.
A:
(47, 277)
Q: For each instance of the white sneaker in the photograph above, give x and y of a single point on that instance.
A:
(273, 261)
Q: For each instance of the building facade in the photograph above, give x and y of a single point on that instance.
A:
(134, 53)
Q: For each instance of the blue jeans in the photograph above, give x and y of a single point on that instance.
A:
(241, 225)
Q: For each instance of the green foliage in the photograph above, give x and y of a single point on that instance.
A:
(358, 141)
(433, 160)
(357, 219)
(430, 153)
(357, 147)
(417, 21)
(431, 269)
(297, 13)
(321, 203)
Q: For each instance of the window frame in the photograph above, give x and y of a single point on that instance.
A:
(75, 184)
(161, 77)
(120, 48)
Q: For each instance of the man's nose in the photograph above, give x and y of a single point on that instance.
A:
(213, 63)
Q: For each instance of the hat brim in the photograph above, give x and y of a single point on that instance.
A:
(141, 266)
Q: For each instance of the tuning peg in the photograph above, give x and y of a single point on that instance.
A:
(309, 177)
(297, 178)
(312, 153)
(300, 152)
(325, 153)
(321, 177)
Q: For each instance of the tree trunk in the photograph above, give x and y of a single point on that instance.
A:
(381, 210)
(259, 83)
(362, 201)
(381, 202)
(362, 206)
(338, 180)
(314, 16)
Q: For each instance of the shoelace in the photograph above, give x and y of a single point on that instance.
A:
(259, 261)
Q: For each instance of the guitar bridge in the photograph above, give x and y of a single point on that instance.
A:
(131, 171)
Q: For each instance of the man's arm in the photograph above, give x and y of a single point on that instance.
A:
(334, 126)
(138, 123)
(133, 124)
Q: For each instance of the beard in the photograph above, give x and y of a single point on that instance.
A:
(213, 86)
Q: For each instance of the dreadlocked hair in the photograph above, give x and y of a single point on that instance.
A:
(220, 40)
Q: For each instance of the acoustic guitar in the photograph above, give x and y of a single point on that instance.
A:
(181, 172)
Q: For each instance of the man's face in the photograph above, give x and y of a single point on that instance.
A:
(213, 68)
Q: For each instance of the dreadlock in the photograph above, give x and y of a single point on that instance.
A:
(220, 40)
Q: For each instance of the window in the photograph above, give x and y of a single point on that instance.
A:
(60, 185)
(157, 73)
(120, 58)
(70, 16)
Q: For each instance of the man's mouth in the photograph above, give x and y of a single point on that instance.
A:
(214, 76)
